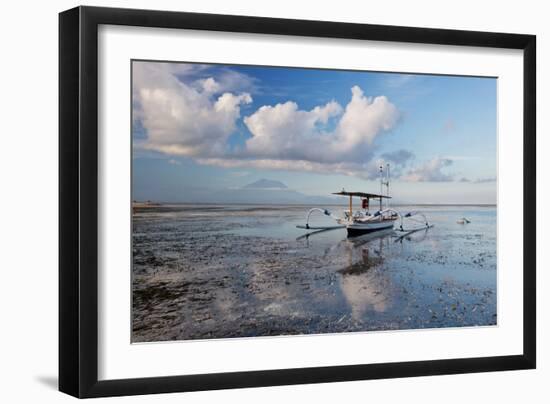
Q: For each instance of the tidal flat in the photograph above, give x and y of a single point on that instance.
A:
(209, 271)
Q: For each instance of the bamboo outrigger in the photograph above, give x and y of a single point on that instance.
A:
(364, 220)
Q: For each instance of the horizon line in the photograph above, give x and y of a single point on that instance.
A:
(303, 204)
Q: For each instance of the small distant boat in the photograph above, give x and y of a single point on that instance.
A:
(365, 220)
(463, 221)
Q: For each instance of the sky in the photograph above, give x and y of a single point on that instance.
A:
(199, 130)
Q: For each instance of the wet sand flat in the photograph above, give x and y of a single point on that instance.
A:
(206, 271)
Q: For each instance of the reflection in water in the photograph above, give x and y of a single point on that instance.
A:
(370, 247)
(204, 272)
(363, 282)
(417, 236)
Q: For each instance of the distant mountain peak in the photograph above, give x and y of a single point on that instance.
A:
(266, 184)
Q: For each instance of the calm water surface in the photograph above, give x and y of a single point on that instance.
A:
(207, 271)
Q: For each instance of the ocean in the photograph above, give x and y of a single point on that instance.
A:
(203, 271)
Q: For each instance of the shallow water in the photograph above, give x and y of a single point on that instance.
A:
(206, 271)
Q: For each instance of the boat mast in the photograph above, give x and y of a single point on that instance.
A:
(381, 185)
(388, 184)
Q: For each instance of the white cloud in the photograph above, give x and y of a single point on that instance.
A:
(209, 85)
(284, 132)
(187, 112)
(181, 119)
(431, 171)
(228, 80)
(365, 118)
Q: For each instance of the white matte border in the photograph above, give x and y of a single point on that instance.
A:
(119, 359)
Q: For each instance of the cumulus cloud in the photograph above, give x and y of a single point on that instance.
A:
(431, 171)
(185, 110)
(182, 119)
(285, 132)
(209, 85)
(225, 80)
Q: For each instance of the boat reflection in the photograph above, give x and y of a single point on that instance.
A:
(364, 283)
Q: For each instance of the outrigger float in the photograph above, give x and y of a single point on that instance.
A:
(364, 220)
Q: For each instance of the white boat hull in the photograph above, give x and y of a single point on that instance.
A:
(357, 228)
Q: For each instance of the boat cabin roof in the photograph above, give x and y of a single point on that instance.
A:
(361, 194)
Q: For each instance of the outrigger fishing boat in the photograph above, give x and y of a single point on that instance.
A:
(367, 220)
(364, 220)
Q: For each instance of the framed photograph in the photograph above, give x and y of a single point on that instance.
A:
(251, 201)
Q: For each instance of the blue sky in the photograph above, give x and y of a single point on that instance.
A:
(201, 129)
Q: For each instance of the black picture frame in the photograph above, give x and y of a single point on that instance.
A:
(78, 201)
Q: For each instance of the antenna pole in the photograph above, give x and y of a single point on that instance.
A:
(388, 184)
(381, 185)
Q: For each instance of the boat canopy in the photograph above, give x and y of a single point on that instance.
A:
(361, 194)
